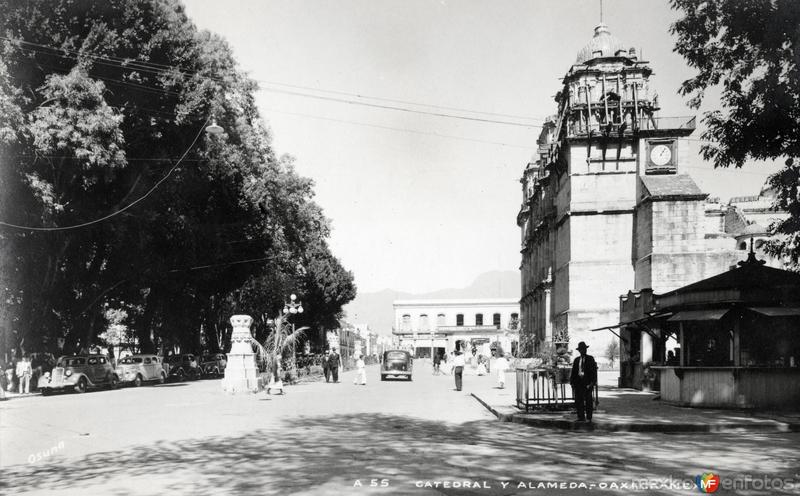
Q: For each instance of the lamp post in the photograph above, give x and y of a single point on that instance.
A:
(292, 307)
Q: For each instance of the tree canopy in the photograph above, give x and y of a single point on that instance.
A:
(102, 111)
(749, 48)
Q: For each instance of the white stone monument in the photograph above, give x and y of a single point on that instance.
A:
(241, 373)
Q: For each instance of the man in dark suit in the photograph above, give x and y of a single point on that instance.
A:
(333, 363)
(583, 380)
(326, 369)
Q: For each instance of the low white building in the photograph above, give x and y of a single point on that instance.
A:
(426, 327)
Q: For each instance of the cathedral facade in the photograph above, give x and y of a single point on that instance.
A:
(608, 205)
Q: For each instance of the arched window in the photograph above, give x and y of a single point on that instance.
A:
(441, 320)
(405, 324)
(424, 325)
(478, 319)
(496, 320)
(743, 245)
(460, 319)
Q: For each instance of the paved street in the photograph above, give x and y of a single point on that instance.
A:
(327, 438)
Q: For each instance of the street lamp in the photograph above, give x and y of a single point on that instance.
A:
(214, 129)
(292, 307)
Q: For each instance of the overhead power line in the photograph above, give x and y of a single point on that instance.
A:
(413, 131)
(222, 264)
(161, 69)
(310, 116)
(123, 209)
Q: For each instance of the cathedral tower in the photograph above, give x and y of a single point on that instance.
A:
(581, 190)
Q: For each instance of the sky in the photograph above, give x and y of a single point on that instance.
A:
(421, 202)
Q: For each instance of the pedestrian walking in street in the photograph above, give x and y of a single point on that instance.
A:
(326, 367)
(458, 369)
(501, 364)
(24, 372)
(583, 379)
(437, 362)
(361, 372)
(334, 361)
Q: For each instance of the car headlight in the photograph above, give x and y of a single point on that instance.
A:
(67, 373)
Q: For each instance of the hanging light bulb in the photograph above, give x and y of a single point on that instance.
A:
(214, 129)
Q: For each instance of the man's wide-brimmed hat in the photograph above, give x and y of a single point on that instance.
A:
(582, 345)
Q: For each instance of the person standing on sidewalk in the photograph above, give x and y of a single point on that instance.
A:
(326, 366)
(334, 360)
(361, 372)
(458, 369)
(24, 372)
(583, 379)
(501, 364)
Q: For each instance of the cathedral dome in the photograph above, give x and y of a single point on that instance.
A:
(603, 44)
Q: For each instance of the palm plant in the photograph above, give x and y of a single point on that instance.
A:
(283, 338)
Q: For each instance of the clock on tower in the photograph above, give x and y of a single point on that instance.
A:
(661, 157)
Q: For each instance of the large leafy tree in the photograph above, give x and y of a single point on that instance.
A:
(98, 102)
(750, 49)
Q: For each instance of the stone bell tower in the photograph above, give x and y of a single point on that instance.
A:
(580, 192)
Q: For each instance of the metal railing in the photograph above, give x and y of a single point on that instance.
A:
(546, 389)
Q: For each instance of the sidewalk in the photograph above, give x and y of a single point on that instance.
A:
(629, 410)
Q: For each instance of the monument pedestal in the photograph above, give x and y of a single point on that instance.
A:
(241, 373)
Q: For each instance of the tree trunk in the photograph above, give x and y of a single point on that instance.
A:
(144, 324)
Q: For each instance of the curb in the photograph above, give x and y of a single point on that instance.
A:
(573, 425)
(503, 417)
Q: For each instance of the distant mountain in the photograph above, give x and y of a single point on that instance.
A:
(375, 309)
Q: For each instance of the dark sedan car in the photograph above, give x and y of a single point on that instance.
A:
(182, 367)
(397, 363)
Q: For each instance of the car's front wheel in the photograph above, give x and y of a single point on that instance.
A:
(162, 378)
(180, 376)
(80, 387)
(138, 381)
(113, 381)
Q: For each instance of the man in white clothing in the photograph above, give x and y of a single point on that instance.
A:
(458, 368)
(501, 364)
(361, 372)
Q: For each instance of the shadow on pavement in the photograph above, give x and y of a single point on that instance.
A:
(327, 455)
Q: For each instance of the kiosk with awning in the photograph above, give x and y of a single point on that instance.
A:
(732, 340)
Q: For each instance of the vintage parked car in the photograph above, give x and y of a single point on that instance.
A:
(182, 367)
(79, 373)
(213, 365)
(136, 369)
(397, 363)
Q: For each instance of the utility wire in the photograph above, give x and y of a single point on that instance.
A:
(310, 116)
(377, 126)
(123, 209)
(162, 70)
(223, 264)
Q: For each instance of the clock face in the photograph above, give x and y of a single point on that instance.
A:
(660, 154)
